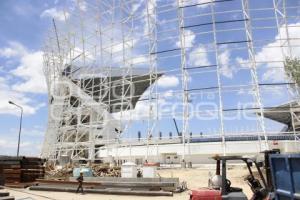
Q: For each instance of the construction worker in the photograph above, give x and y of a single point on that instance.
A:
(80, 182)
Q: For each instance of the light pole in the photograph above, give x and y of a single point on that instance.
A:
(20, 128)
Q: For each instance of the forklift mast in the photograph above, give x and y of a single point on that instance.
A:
(226, 191)
(267, 167)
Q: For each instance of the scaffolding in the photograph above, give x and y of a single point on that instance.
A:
(118, 67)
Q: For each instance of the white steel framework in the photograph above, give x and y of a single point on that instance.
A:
(118, 67)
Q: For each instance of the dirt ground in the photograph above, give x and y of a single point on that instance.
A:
(195, 178)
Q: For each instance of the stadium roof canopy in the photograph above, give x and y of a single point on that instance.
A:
(281, 113)
(119, 88)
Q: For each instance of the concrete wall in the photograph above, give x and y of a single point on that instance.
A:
(197, 153)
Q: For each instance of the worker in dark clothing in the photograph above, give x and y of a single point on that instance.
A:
(80, 182)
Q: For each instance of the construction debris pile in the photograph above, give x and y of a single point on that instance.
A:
(106, 171)
(15, 170)
(63, 173)
(54, 172)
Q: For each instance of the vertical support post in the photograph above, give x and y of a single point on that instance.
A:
(130, 149)
(286, 51)
(111, 6)
(290, 50)
(184, 77)
(20, 129)
(253, 68)
(126, 29)
(220, 111)
(293, 122)
(224, 177)
(151, 22)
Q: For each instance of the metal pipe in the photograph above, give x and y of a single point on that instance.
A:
(224, 181)
(20, 127)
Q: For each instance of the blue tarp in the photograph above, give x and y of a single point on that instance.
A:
(87, 172)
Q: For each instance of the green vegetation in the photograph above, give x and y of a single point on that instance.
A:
(292, 69)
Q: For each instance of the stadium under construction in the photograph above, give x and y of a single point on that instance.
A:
(171, 81)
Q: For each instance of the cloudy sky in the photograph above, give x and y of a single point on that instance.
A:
(25, 23)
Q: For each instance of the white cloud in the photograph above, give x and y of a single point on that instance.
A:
(273, 52)
(202, 3)
(8, 146)
(136, 6)
(7, 94)
(271, 56)
(78, 53)
(120, 46)
(205, 3)
(139, 60)
(82, 5)
(167, 81)
(141, 111)
(148, 10)
(225, 68)
(198, 57)
(34, 131)
(30, 71)
(189, 39)
(275, 75)
(14, 49)
(30, 143)
(167, 94)
(26, 78)
(55, 13)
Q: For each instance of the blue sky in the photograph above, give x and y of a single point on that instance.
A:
(25, 23)
(21, 38)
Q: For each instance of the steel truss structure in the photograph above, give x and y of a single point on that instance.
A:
(107, 59)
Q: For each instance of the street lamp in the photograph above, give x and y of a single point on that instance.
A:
(10, 102)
